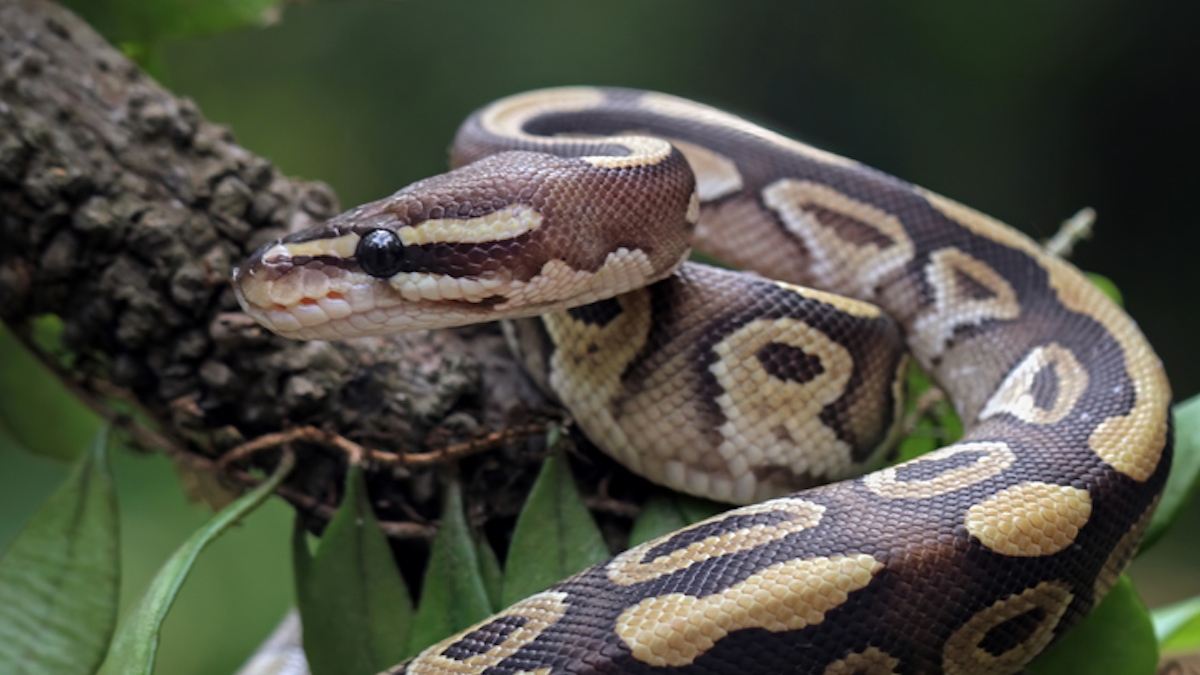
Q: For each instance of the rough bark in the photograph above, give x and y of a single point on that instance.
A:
(123, 211)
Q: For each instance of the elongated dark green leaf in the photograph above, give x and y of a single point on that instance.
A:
(1184, 480)
(1178, 626)
(1116, 638)
(453, 594)
(132, 651)
(696, 509)
(27, 392)
(659, 515)
(555, 535)
(301, 558)
(669, 511)
(354, 606)
(153, 20)
(59, 580)
(490, 572)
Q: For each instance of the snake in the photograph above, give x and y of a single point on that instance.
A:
(571, 211)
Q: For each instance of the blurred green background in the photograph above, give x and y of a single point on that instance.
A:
(1028, 110)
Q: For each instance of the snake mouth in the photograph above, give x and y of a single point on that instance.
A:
(308, 298)
(309, 301)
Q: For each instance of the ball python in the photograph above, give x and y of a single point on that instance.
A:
(579, 204)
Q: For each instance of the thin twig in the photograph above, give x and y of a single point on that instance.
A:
(354, 452)
(357, 453)
(473, 446)
(612, 506)
(1072, 231)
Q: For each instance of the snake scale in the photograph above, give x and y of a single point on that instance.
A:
(579, 205)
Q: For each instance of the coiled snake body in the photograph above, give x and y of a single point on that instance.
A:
(970, 559)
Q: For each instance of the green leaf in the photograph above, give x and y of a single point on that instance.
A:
(923, 439)
(1117, 637)
(1107, 286)
(555, 535)
(937, 427)
(453, 596)
(1178, 626)
(490, 572)
(148, 21)
(659, 516)
(696, 509)
(45, 335)
(28, 392)
(59, 580)
(947, 421)
(1185, 471)
(354, 606)
(666, 512)
(301, 557)
(132, 651)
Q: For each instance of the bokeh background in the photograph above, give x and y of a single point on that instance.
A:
(1028, 110)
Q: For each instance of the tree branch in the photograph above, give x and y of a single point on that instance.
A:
(123, 212)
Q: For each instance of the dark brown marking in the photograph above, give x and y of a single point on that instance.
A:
(929, 469)
(326, 260)
(486, 303)
(788, 363)
(970, 288)
(485, 638)
(847, 228)
(731, 523)
(598, 314)
(1009, 635)
(782, 475)
(1045, 387)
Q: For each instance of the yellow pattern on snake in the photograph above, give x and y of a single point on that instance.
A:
(579, 205)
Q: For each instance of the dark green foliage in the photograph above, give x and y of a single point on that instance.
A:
(454, 595)
(555, 535)
(59, 580)
(354, 606)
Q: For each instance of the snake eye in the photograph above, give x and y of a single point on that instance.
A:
(380, 253)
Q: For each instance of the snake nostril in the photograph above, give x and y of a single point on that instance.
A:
(334, 295)
(308, 301)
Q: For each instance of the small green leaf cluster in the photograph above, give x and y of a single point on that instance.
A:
(141, 27)
(357, 614)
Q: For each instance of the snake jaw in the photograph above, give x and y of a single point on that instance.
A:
(302, 298)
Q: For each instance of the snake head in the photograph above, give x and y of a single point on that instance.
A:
(513, 235)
